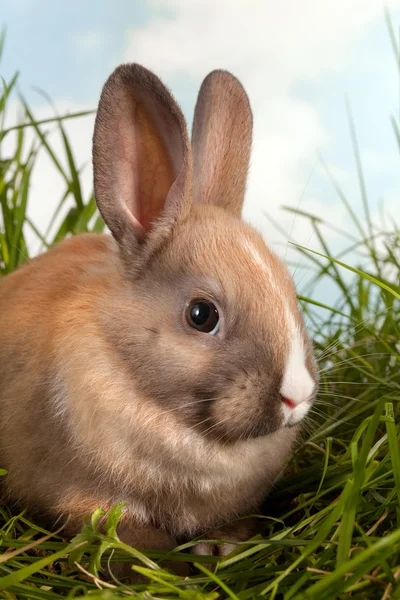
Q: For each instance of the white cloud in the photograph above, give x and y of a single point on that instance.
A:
(88, 41)
(283, 40)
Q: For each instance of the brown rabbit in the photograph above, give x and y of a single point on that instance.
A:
(167, 366)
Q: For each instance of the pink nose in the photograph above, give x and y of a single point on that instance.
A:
(289, 402)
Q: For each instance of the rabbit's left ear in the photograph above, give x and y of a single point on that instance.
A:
(221, 142)
(141, 157)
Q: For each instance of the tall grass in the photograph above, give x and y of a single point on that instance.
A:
(15, 178)
(331, 527)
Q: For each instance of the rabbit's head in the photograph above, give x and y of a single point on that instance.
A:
(218, 336)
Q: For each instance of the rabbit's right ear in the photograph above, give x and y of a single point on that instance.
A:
(141, 157)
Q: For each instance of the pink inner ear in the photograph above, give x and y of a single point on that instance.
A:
(139, 229)
(147, 168)
(128, 174)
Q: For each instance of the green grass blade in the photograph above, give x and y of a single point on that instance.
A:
(380, 284)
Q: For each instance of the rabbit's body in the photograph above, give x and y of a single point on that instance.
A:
(168, 367)
(77, 458)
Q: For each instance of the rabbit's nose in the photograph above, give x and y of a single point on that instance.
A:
(297, 386)
(290, 403)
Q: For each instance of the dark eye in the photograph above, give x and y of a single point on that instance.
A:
(203, 316)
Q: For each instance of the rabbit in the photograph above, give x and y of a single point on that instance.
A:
(166, 365)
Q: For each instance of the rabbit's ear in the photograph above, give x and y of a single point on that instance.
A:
(221, 142)
(141, 156)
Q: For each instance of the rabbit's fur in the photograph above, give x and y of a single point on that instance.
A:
(106, 392)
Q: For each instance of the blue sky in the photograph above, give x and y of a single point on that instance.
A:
(44, 36)
(297, 60)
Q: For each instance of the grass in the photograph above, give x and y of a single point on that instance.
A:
(331, 527)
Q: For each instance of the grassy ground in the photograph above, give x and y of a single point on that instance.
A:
(331, 528)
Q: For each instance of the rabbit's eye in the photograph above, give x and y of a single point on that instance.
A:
(203, 316)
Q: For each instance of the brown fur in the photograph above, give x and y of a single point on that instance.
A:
(222, 107)
(106, 394)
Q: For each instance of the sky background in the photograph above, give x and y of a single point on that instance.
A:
(298, 60)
